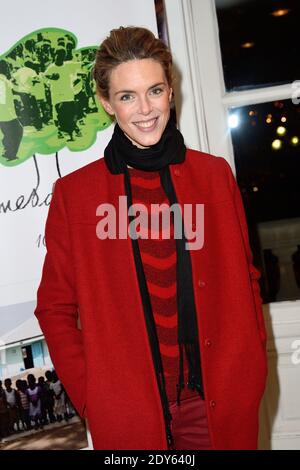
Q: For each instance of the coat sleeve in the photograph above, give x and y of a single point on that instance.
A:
(253, 271)
(57, 308)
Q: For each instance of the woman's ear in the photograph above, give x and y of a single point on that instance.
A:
(106, 105)
(170, 94)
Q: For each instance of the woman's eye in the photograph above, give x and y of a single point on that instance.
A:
(157, 91)
(126, 97)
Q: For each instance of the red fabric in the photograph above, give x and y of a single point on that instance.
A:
(189, 425)
(159, 262)
(106, 364)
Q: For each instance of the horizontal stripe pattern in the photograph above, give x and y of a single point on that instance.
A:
(166, 321)
(151, 183)
(154, 275)
(159, 262)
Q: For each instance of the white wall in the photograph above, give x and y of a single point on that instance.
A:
(13, 362)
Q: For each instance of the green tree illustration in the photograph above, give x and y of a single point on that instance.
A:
(47, 97)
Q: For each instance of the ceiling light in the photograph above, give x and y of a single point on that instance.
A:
(280, 12)
(233, 121)
(295, 140)
(281, 130)
(276, 144)
(248, 45)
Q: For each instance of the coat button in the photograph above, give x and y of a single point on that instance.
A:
(201, 283)
(212, 403)
(207, 342)
(177, 172)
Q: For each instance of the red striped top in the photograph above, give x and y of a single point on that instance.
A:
(159, 261)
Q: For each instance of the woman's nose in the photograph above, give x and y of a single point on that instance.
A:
(145, 105)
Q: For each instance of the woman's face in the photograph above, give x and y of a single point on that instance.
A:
(139, 97)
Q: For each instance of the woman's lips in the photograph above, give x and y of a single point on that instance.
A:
(146, 126)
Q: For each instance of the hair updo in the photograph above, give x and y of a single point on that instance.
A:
(125, 44)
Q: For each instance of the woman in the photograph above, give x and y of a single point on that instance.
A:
(171, 349)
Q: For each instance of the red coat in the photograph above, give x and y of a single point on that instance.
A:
(106, 366)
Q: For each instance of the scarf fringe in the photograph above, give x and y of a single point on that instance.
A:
(194, 371)
(180, 384)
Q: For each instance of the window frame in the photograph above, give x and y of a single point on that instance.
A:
(200, 93)
(203, 105)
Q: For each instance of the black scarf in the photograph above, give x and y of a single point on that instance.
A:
(170, 149)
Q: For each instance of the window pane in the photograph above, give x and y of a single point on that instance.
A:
(266, 141)
(259, 42)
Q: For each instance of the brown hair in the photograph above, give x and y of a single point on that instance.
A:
(125, 44)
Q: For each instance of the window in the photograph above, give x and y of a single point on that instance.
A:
(266, 143)
(239, 57)
(259, 41)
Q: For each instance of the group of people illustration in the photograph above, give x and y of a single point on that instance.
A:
(45, 81)
(33, 403)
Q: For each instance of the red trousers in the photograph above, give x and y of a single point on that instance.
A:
(189, 425)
